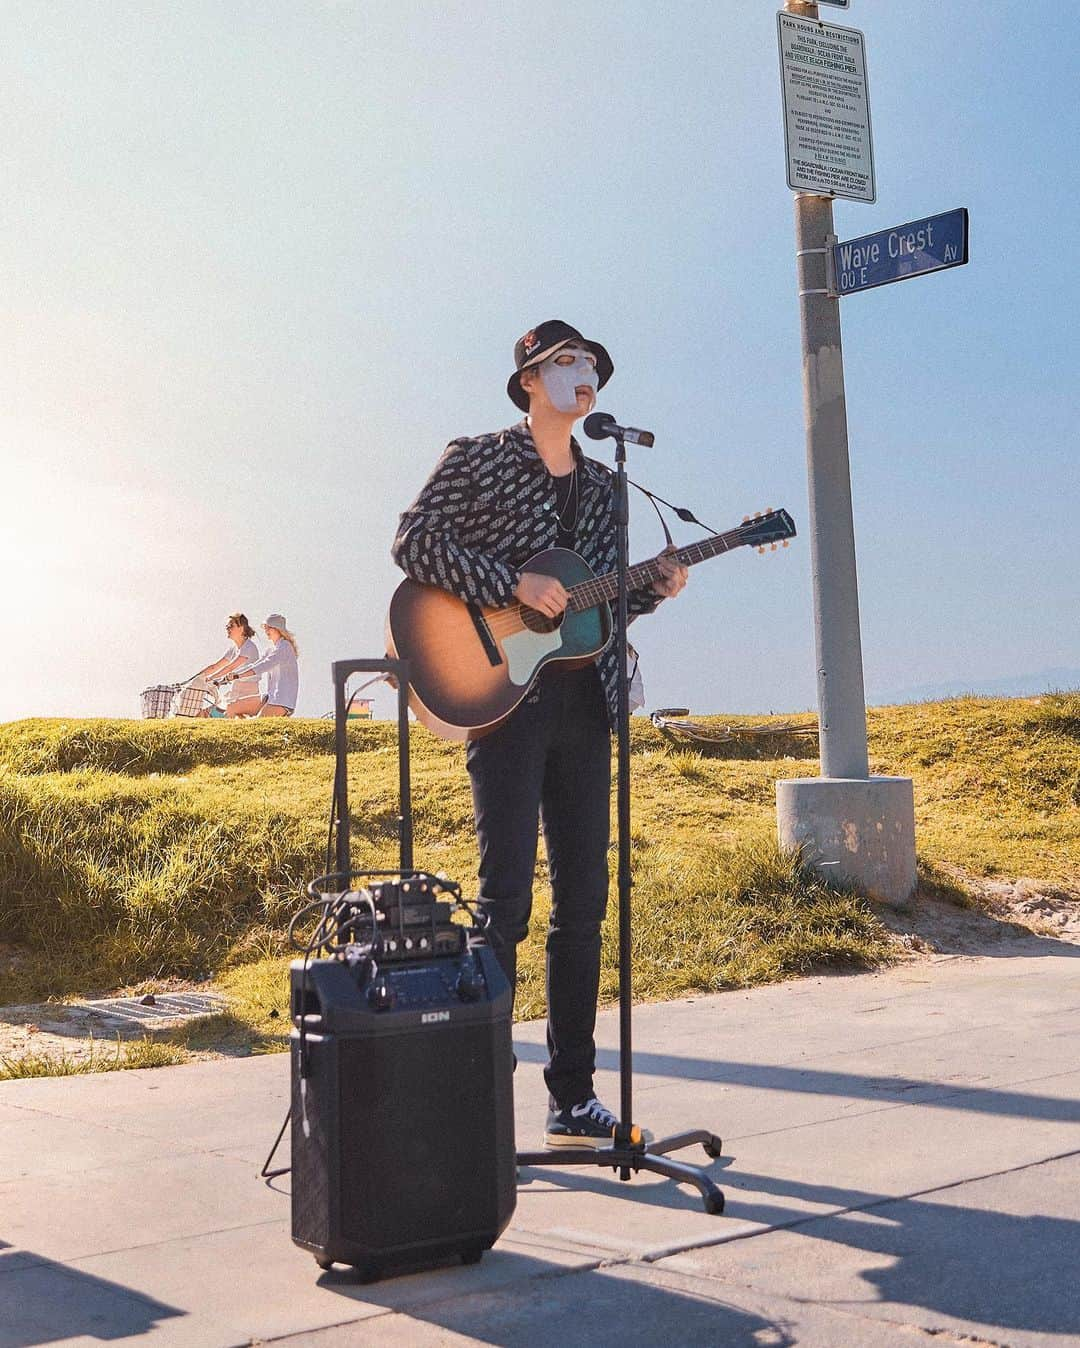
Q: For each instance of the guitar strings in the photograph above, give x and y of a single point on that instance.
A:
(506, 621)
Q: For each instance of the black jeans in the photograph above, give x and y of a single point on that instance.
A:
(551, 757)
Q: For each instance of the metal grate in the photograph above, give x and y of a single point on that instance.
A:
(171, 1006)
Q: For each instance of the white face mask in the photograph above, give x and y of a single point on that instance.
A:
(562, 381)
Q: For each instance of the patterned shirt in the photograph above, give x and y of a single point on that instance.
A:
(488, 506)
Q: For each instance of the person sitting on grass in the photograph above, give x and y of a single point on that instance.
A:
(280, 667)
(241, 697)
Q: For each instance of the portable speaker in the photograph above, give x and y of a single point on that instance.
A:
(402, 1111)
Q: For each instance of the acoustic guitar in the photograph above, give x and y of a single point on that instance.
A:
(470, 666)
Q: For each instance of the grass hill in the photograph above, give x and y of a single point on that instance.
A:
(148, 850)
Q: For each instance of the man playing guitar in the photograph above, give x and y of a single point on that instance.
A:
(491, 503)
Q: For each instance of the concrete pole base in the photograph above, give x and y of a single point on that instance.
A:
(860, 831)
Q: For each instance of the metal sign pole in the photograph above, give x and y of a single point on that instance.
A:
(838, 645)
(861, 827)
(837, 642)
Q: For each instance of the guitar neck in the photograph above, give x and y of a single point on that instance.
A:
(592, 592)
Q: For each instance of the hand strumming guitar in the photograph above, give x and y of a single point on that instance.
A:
(543, 593)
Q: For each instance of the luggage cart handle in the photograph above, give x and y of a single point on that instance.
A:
(342, 670)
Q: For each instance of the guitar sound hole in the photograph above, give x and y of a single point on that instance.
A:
(536, 621)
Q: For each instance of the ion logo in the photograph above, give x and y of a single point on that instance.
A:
(430, 1017)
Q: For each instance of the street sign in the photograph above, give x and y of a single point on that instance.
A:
(920, 246)
(830, 151)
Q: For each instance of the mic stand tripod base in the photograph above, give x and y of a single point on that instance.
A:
(626, 1157)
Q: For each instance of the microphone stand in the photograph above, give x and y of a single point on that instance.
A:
(629, 1152)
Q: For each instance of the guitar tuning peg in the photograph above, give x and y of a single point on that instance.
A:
(786, 543)
(772, 547)
(746, 519)
(762, 548)
(758, 515)
(768, 510)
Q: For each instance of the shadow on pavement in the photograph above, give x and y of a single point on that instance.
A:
(847, 1085)
(544, 1304)
(642, 1189)
(44, 1302)
(994, 1268)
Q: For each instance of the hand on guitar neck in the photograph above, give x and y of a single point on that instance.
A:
(672, 576)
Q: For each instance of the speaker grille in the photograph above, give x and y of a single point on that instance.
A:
(409, 1152)
(418, 1136)
(310, 1176)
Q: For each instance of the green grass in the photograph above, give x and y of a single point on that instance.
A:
(727, 918)
(135, 851)
(997, 782)
(121, 1058)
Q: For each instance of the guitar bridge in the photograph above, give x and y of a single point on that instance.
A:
(483, 631)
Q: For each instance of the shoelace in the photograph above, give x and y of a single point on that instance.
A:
(595, 1111)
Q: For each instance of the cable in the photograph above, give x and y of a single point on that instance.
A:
(336, 927)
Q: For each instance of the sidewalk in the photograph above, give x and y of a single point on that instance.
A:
(901, 1159)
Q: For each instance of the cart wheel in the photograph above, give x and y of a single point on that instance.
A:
(714, 1147)
(714, 1203)
(324, 1264)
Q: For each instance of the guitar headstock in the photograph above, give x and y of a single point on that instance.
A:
(766, 529)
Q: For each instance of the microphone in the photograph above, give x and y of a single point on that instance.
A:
(599, 425)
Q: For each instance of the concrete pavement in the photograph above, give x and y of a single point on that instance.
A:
(901, 1160)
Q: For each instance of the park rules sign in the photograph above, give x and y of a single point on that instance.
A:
(826, 109)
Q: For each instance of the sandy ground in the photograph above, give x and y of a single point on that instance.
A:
(1013, 912)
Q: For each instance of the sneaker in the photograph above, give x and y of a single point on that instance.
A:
(588, 1124)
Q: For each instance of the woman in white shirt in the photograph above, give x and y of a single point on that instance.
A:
(242, 696)
(280, 667)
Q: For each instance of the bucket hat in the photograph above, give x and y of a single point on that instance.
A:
(542, 341)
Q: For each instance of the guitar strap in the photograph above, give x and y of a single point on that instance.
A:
(683, 513)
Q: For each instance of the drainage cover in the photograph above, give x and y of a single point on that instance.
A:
(165, 1007)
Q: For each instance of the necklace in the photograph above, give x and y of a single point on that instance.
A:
(568, 525)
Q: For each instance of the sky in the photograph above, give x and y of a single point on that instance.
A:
(262, 260)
